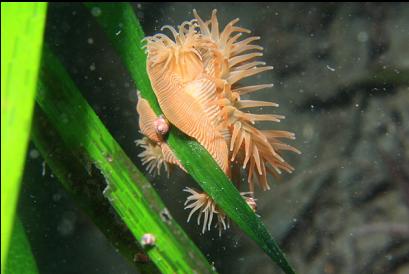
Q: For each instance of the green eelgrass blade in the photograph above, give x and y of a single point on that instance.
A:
(84, 185)
(20, 260)
(22, 27)
(131, 195)
(196, 160)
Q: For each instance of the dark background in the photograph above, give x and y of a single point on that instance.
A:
(341, 79)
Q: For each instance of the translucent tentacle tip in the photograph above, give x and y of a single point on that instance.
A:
(161, 125)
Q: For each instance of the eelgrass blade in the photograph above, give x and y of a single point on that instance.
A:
(131, 195)
(20, 259)
(22, 27)
(84, 186)
(192, 155)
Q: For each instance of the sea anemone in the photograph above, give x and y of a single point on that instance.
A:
(207, 208)
(152, 156)
(196, 78)
(156, 152)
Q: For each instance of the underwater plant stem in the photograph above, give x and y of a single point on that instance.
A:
(196, 160)
(22, 27)
(130, 194)
(20, 258)
(84, 185)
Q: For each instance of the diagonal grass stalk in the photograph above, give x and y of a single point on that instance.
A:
(130, 194)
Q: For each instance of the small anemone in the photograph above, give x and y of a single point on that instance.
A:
(152, 156)
(208, 208)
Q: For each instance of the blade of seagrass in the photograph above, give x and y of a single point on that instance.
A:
(20, 258)
(131, 195)
(22, 27)
(76, 175)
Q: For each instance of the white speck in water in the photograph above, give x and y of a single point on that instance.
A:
(66, 225)
(90, 41)
(308, 131)
(43, 169)
(356, 105)
(95, 11)
(362, 36)
(56, 197)
(34, 154)
(330, 68)
(92, 67)
(118, 32)
(100, 78)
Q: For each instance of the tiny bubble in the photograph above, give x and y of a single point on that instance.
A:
(362, 37)
(34, 154)
(95, 11)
